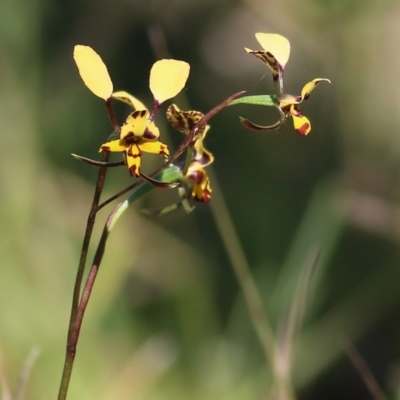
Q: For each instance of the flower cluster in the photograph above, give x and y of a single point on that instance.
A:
(275, 54)
(139, 134)
(185, 121)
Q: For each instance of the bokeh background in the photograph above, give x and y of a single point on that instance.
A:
(167, 319)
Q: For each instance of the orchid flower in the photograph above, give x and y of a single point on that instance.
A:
(139, 133)
(275, 54)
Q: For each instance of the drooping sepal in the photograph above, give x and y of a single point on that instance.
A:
(255, 127)
(96, 163)
(274, 127)
(310, 86)
(127, 98)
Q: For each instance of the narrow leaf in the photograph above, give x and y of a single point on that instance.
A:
(95, 163)
(259, 100)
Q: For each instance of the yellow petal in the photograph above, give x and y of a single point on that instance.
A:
(127, 98)
(201, 157)
(133, 159)
(310, 86)
(93, 71)
(154, 147)
(286, 100)
(201, 189)
(167, 78)
(302, 124)
(137, 124)
(114, 146)
(275, 44)
(200, 160)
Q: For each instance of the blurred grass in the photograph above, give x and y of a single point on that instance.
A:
(167, 319)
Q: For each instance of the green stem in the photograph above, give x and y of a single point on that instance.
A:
(243, 274)
(169, 174)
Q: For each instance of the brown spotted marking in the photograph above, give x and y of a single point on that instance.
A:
(134, 171)
(139, 113)
(164, 150)
(303, 130)
(129, 138)
(148, 134)
(130, 151)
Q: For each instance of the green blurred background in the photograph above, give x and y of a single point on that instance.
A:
(167, 319)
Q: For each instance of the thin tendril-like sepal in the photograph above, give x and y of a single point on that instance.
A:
(95, 163)
(159, 212)
(261, 100)
(274, 127)
(255, 127)
(159, 184)
(183, 203)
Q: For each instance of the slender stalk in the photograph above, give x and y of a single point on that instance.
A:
(365, 373)
(243, 274)
(111, 114)
(88, 234)
(119, 194)
(5, 390)
(87, 290)
(26, 372)
(154, 111)
(71, 347)
(75, 329)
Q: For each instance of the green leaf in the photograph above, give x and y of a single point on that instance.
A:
(169, 175)
(260, 100)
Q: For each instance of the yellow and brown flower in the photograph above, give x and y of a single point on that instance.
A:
(184, 121)
(138, 134)
(275, 54)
